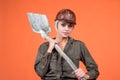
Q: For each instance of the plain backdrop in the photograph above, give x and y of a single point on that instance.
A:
(98, 26)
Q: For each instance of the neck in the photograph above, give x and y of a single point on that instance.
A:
(61, 39)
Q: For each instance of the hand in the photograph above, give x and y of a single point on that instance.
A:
(79, 73)
(51, 45)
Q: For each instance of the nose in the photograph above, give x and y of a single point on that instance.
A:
(66, 27)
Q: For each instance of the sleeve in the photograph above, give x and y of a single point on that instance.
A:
(42, 61)
(91, 66)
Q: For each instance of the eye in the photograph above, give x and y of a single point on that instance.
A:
(70, 25)
(63, 24)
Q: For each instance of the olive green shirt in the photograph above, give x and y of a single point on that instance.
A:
(51, 66)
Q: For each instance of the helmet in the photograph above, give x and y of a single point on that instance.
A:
(66, 15)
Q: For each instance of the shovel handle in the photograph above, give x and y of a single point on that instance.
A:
(69, 61)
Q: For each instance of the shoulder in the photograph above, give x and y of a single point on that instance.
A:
(44, 45)
(78, 42)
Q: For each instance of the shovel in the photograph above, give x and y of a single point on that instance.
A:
(39, 24)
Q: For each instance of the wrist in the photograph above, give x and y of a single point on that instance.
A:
(49, 50)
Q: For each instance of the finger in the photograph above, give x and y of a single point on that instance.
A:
(79, 73)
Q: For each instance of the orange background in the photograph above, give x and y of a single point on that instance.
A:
(98, 25)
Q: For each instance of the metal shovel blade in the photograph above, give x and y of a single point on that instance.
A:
(39, 22)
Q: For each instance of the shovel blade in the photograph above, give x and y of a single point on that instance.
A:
(39, 22)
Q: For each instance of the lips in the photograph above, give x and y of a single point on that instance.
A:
(65, 33)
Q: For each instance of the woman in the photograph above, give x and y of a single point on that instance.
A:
(49, 65)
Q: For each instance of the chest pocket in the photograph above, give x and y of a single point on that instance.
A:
(75, 58)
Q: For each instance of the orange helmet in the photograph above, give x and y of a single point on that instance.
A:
(66, 15)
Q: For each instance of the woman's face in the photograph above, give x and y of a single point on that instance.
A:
(64, 29)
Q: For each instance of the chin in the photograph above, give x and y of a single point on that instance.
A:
(65, 36)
